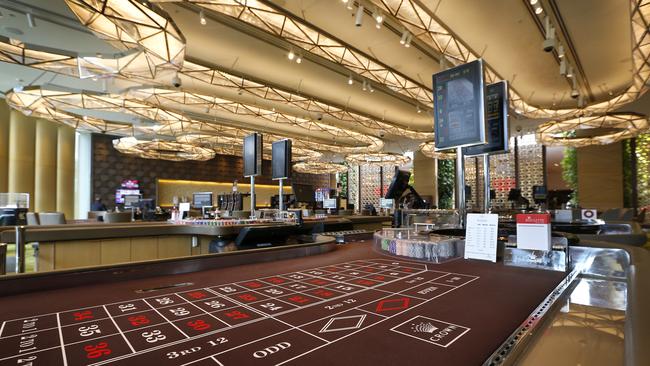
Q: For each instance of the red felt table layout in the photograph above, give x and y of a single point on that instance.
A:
(351, 306)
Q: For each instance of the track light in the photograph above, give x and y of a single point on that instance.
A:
(560, 52)
(538, 9)
(350, 80)
(563, 67)
(533, 2)
(372, 90)
(405, 35)
(569, 73)
(364, 86)
(30, 20)
(202, 19)
(298, 59)
(407, 44)
(291, 55)
(575, 93)
(379, 18)
(417, 108)
(358, 19)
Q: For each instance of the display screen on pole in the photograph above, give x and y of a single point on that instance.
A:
(459, 112)
(281, 159)
(496, 114)
(253, 155)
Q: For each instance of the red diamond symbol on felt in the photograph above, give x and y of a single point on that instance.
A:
(392, 304)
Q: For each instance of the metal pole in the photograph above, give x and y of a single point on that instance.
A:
(281, 202)
(460, 185)
(3, 259)
(486, 183)
(253, 197)
(20, 249)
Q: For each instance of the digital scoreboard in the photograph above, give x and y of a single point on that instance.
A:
(459, 110)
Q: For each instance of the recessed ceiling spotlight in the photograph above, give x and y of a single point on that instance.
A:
(291, 55)
(350, 80)
(358, 18)
(30, 20)
(202, 19)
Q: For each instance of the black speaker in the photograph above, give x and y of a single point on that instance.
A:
(253, 155)
(281, 159)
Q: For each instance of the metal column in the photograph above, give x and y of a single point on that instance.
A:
(460, 185)
(281, 202)
(20, 249)
(486, 183)
(253, 197)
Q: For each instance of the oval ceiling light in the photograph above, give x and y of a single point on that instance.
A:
(594, 130)
(377, 159)
(319, 168)
(162, 150)
(428, 149)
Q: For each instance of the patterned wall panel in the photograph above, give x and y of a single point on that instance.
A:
(370, 185)
(502, 172)
(353, 185)
(110, 168)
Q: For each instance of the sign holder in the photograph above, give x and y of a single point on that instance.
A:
(460, 186)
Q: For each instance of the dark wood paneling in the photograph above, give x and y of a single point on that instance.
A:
(110, 168)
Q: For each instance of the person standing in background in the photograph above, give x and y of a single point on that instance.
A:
(98, 205)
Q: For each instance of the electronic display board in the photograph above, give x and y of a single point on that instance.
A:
(459, 112)
(253, 155)
(496, 114)
(281, 159)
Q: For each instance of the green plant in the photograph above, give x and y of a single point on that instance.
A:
(569, 165)
(446, 177)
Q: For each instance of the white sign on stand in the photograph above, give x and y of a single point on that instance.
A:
(481, 236)
(534, 231)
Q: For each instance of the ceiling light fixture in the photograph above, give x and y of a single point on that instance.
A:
(407, 44)
(560, 52)
(405, 35)
(364, 86)
(569, 73)
(291, 55)
(428, 149)
(417, 108)
(299, 59)
(202, 19)
(350, 80)
(596, 130)
(538, 9)
(533, 2)
(30, 20)
(372, 90)
(317, 167)
(377, 159)
(563, 67)
(358, 19)
(379, 18)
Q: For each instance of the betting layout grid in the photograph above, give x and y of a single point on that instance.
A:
(275, 319)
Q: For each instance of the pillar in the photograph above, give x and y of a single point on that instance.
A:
(600, 176)
(65, 162)
(22, 131)
(425, 171)
(4, 147)
(45, 166)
